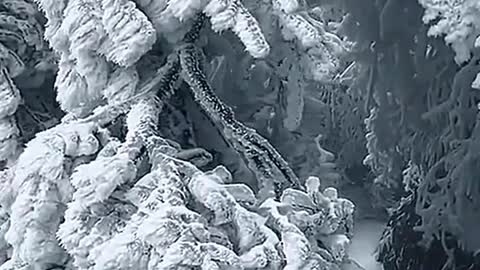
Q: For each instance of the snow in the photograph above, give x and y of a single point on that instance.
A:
(367, 232)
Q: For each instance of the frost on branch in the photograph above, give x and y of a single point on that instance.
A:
(255, 242)
(90, 219)
(92, 216)
(272, 171)
(320, 50)
(459, 23)
(310, 218)
(22, 52)
(41, 189)
(97, 41)
(162, 233)
(177, 216)
(305, 52)
(160, 83)
(126, 89)
(172, 19)
(226, 15)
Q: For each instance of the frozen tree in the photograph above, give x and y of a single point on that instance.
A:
(124, 177)
(218, 134)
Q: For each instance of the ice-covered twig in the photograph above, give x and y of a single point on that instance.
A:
(271, 170)
(161, 82)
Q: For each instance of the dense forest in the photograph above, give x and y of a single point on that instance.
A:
(240, 134)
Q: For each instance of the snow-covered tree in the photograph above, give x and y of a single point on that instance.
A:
(125, 177)
(217, 134)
